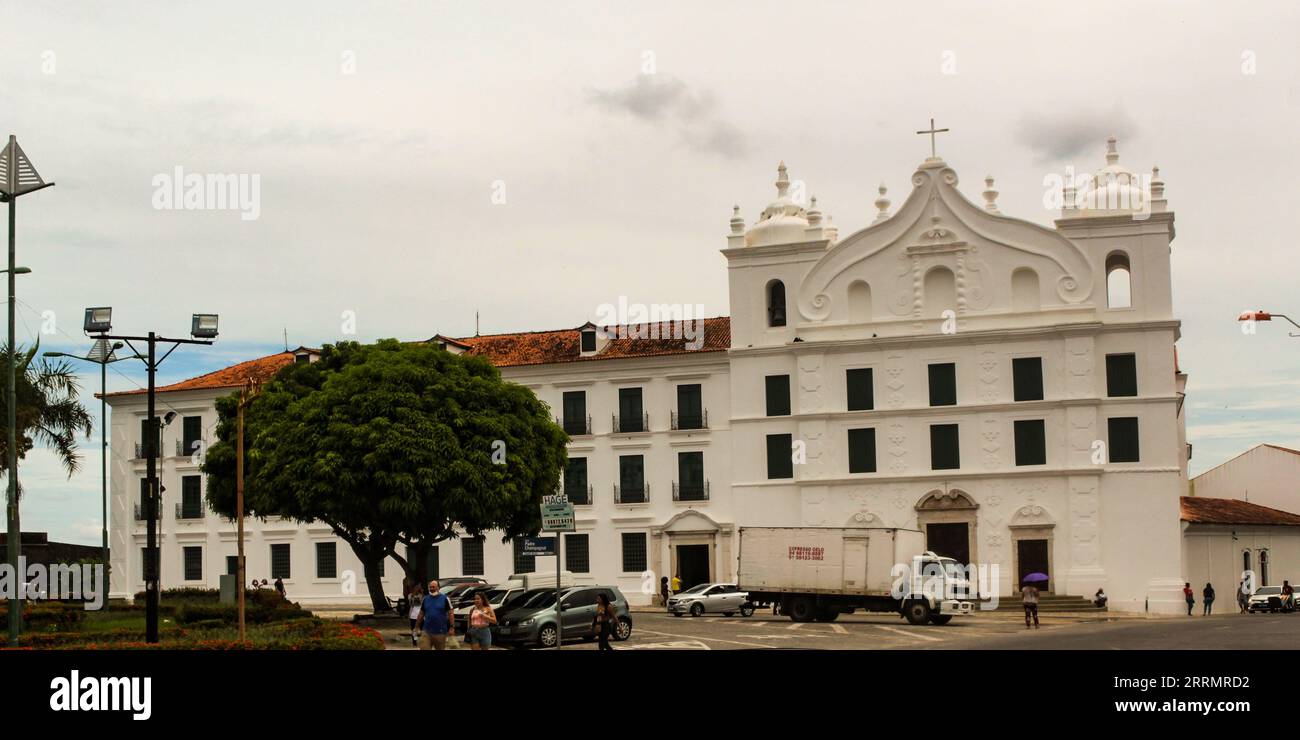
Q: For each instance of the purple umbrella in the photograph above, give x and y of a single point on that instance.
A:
(1035, 578)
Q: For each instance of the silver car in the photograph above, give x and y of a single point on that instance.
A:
(711, 598)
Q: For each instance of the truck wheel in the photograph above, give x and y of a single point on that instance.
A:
(697, 609)
(747, 610)
(827, 615)
(917, 612)
(940, 619)
(799, 609)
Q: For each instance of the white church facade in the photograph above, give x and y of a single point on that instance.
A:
(1008, 388)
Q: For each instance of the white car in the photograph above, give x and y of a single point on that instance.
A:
(710, 598)
(1267, 599)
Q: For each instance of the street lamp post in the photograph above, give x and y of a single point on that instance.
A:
(20, 178)
(1253, 316)
(101, 354)
(204, 331)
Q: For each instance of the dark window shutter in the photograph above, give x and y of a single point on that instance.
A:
(1121, 375)
(575, 480)
(776, 304)
(471, 556)
(943, 384)
(1027, 377)
(631, 472)
(945, 452)
(191, 432)
(1031, 442)
(589, 341)
(575, 412)
(193, 563)
(326, 560)
(577, 553)
(1123, 442)
(780, 463)
(191, 496)
(861, 395)
(690, 406)
(280, 561)
(634, 552)
(862, 450)
(778, 395)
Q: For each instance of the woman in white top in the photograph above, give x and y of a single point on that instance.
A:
(414, 599)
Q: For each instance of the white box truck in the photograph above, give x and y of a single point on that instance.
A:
(818, 573)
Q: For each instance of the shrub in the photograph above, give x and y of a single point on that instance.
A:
(46, 615)
(308, 633)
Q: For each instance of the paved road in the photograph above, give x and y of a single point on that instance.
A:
(657, 631)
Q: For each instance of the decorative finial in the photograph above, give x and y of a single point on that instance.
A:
(782, 180)
(814, 215)
(737, 223)
(1157, 185)
(1112, 154)
(882, 205)
(990, 195)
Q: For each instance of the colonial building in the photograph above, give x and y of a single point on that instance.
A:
(1011, 389)
(1265, 474)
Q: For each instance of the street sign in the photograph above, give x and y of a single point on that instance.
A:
(557, 514)
(539, 547)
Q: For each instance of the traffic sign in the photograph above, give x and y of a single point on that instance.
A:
(557, 516)
(539, 547)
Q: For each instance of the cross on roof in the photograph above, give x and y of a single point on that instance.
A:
(932, 131)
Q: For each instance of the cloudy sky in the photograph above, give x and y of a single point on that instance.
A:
(419, 161)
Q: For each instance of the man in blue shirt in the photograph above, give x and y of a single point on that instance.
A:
(435, 619)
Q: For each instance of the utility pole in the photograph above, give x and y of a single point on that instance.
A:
(246, 396)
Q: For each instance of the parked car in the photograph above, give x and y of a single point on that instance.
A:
(446, 583)
(710, 598)
(533, 622)
(1267, 599)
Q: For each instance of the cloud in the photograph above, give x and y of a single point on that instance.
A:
(658, 98)
(1066, 134)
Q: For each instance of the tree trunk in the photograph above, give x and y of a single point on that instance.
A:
(370, 558)
(417, 562)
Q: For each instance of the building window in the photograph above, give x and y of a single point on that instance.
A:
(575, 481)
(945, 453)
(631, 479)
(1263, 567)
(1027, 378)
(280, 561)
(1031, 442)
(780, 457)
(1121, 375)
(690, 407)
(577, 553)
(859, 390)
(575, 412)
(471, 556)
(1123, 433)
(690, 477)
(193, 560)
(588, 340)
(630, 411)
(862, 450)
(191, 497)
(522, 563)
(191, 434)
(943, 384)
(1245, 561)
(232, 565)
(778, 395)
(1119, 286)
(776, 303)
(634, 552)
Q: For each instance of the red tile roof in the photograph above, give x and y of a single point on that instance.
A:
(259, 370)
(502, 350)
(1198, 509)
(546, 347)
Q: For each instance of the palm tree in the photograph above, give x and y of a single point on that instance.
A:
(50, 413)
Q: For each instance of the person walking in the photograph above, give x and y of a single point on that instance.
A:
(1243, 597)
(414, 600)
(1187, 594)
(606, 617)
(481, 618)
(663, 589)
(435, 619)
(279, 583)
(677, 584)
(1029, 599)
(1207, 596)
(1288, 593)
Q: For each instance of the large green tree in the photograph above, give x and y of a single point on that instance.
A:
(391, 444)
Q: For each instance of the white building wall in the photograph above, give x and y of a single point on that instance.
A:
(1219, 553)
(1264, 475)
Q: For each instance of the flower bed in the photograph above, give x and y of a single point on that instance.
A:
(298, 634)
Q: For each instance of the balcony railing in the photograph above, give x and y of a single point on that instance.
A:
(185, 450)
(576, 427)
(690, 491)
(195, 513)
(139, 513)
(579, 495)
(631, 424)
(692, 420)
(637, 495)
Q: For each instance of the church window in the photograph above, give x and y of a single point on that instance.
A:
(945, 453)
(1118, 281)
(1031, 442)
(776, 303)
(1121, 375)
(859, 387)
(1027, 378)
(1123, 433)
(943, 384)
(778, 395)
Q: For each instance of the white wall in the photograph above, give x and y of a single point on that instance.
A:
(1262, 475)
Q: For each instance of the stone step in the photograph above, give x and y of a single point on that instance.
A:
(1050, 603)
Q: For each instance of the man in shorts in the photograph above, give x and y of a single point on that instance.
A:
(435, 619)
